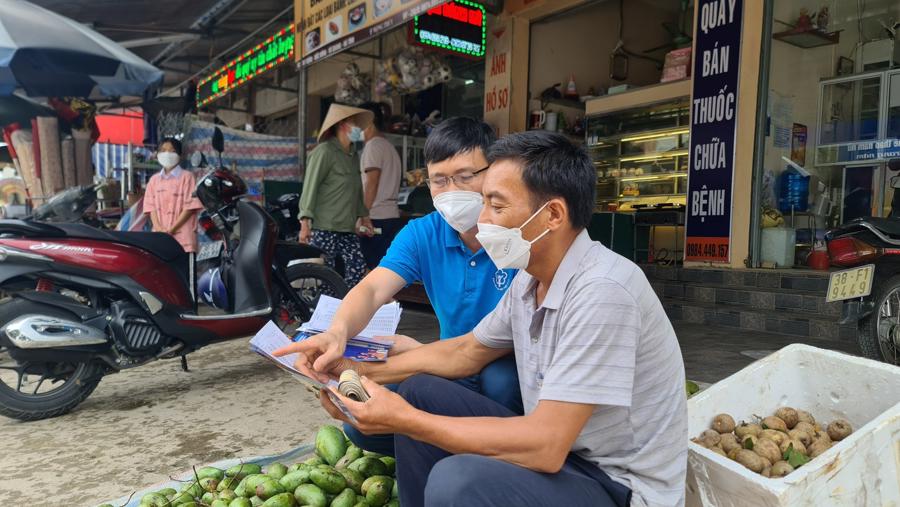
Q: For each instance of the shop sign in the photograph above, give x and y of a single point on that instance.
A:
(327, 27)
(458, 26)
(498, 78)
(866, 151)
(272, 52)
(713, 121)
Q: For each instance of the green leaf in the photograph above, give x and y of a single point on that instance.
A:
(795, 457)
(748, 444)
(764, 426)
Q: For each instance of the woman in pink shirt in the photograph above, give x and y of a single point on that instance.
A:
(169, 199)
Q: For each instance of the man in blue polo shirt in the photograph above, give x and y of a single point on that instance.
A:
(441, 251)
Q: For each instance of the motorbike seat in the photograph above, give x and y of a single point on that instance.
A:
(159, 244)
(889, 226)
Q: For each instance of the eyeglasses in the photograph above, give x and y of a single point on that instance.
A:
(463, 179)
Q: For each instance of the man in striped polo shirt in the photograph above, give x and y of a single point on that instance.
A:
(600, 369)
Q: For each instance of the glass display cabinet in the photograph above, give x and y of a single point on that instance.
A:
(641, 154)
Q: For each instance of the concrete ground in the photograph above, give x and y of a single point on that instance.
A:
(143, 425)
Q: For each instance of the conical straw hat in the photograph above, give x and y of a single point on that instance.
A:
(338, 113)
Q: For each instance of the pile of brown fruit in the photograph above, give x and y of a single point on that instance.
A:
(773, 446)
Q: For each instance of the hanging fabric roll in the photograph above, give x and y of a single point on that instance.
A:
(22, 142)
(51, 162)
(84, 169)
(68, 162)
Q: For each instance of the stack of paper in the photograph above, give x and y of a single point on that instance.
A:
(270, 338)
(365, 346)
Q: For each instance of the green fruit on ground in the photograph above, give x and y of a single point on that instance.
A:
(369, 466)
(297, 466)
(256, 501)
(243, 470)
(208, 498)
(252, 481)
(213, 472)
(390, 462)
(379, 493)
(315, 460)
(347, 498)
(395, 491)
(290, 481)
(168, 492)
(193, 489)
(372, 454)
(362, 504)
(330, 481)
(219, 503)
(154, 500)
(281, 500)
(227, 495)
(353, 453)
(209, 484)
(361, 499)
(311, 495)
(182, 498)
(367, 484)
(395, 502)
(331, 444)
(276, 471)
(354, 479)
(191, 504)
(268, 489)
(228, 483)
(240, 502)
(691, 387)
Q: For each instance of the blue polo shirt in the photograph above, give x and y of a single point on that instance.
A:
(462, 286)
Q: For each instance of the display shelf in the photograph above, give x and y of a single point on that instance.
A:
(567, 103)
(808, 38)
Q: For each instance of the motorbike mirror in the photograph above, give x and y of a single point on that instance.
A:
(218, 140)
(196, 159)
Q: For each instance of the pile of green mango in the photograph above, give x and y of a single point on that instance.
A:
(339, 475)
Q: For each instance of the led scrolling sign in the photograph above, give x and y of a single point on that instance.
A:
(459, 26)
(270, 53)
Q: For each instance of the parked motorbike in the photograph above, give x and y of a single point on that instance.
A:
(285, 211)
(870, 286)
(86, 302)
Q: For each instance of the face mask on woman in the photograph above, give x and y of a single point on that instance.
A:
(168, 159)
(356, 135)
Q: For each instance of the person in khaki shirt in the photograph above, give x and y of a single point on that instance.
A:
(332, 211)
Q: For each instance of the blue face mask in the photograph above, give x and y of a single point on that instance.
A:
(357, 135)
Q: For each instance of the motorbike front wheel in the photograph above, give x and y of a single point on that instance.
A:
(309, 281)
(31, 391)
(879, 333)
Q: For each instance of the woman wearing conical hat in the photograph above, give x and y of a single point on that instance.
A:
(332, 210)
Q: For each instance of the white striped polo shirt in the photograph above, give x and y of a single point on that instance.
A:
(601, 337)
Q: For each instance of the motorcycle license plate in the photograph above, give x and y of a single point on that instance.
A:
(209, 251)
(850, 283)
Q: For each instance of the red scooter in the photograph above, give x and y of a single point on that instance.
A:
(84, 302)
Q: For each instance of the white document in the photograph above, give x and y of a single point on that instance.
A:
(384, 323)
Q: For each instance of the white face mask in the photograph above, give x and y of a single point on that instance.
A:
(506, 247)
(460, 208)
(168, 159)
(357, 135)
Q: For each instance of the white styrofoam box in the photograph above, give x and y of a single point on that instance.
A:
(861, 470)
(778, 244)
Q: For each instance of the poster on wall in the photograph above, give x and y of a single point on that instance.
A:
(327, 27)
(713, 122)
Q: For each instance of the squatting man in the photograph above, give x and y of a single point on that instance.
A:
(600, 369)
